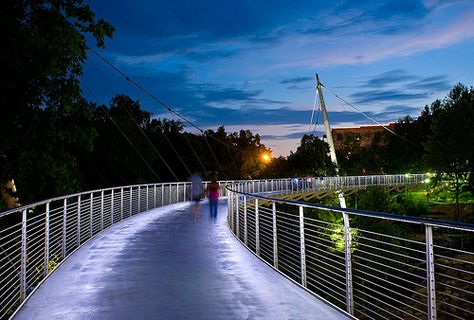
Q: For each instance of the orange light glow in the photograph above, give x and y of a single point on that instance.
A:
(266, 157)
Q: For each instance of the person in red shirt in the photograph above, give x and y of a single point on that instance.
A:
(212, 192)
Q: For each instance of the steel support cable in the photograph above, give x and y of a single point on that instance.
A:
(454, 288)
(312, 113)
(326, 252)
(389, 236)
(214, 155)
(131, 81)
(322, 271)
(391, 260)
(454, 259)
(449, 314)
(316, 282)
(364, 280)
(329, 285)
(153, 97)
(155, 149)
(125, 136)
(363, 313)
(457, 307)
(140, 128)
(455, 250)
(368, 117)
(388, 244)
(316, 285)
(361, 244)
(134, 148)
(195, 154)
(458, 298)
(317, 117)
(386, 274)
(370, 275)
(383, 304)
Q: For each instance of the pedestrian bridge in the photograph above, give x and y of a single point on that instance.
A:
(138, 252)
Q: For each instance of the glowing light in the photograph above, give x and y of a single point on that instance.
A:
(427, 180)
(266, 157)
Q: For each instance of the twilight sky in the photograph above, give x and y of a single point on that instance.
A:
(251, 64)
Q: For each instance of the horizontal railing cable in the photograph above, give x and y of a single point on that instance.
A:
(419, 273)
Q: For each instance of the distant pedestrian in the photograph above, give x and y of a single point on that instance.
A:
(197, 193)
(212, 192)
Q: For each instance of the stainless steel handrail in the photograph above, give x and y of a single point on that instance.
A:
(394, 266)
(35, 238)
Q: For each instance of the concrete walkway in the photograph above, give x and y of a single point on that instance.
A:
(163, 265)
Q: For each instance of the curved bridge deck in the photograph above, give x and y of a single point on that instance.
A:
(162, 264)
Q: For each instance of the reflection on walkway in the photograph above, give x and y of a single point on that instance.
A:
(164, 264)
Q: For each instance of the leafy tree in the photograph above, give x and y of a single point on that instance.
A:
(311, 158)
(450, 146)
(44, 118)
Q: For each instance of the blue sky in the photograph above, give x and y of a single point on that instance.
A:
(252, 64)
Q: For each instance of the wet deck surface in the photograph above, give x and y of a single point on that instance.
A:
(163, 265)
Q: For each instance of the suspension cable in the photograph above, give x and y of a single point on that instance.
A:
(312, 113)
(105, 110)
(367, 116)
(197, 157)
(153, 97)
(138, 126)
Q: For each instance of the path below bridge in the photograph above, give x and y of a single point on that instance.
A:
(163, 265)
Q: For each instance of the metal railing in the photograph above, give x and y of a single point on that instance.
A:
(35, 238)
(371, 265)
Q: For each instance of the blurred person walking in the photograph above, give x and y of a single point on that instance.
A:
(212, 192)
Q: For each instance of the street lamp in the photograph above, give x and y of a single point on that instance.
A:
(266, 157)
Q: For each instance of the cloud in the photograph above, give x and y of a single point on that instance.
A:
(438, 83)
(372, 96)
(296, 80)
(389, 77)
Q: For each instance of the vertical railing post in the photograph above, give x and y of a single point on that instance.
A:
(177, 192)
(78, 220)
(237, 197)
(147, 198)
(162, 194)
(348, 260)
(430, 273)
(230, 210)
(169, 192)
(64, 228)
(154, 196)
(112, 200)
(23, 257)
(275, 239)
(91, 213)
(139, 196)
(245, 221)
(121, 204)
(102, 210)
(184, 190)
(257, 230)
(131, 202)
(302, 247)
(46, 241)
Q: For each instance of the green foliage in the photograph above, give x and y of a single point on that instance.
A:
(410, 204)
(311, 158)
(44, 119)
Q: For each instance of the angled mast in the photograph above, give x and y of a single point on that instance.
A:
(332, 149)
(327, 128)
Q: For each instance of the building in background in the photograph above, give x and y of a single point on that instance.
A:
(363, 133)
